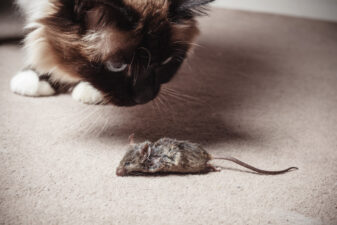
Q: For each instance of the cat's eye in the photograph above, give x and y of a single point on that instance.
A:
(127, 163)
(116, 67)
(167, 60)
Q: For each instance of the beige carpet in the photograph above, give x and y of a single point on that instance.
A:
(264, 90)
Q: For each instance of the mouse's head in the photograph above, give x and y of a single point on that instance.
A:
(135, 160)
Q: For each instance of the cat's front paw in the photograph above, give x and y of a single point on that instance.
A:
(86, 93)
(27, 83)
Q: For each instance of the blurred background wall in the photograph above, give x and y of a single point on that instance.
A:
(10, 21)
(5, 3)
(316, 9)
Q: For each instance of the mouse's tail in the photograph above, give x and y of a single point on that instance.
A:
(268, 172)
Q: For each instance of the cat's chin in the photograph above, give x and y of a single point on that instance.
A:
(140, 100)
(130, 103)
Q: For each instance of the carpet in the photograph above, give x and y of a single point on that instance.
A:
(259, 87)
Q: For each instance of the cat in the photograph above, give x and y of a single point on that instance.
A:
(107, 51)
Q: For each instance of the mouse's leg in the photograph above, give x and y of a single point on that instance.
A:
(212, 168)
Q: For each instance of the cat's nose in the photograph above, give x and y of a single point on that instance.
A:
(145, 88)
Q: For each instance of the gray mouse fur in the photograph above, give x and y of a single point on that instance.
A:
(173, 156)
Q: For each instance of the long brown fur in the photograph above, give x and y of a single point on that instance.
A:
(73, 40)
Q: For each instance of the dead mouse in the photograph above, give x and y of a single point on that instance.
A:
(173, 156)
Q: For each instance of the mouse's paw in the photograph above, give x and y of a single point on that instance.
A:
(27, 83)
(87, 94)
(212, 168)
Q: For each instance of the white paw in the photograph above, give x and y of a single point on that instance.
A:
(85, 93)
(27, 83)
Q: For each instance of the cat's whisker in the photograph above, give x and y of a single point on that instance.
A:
(102, 130)
(89, 127)
(106, 99)
(158, 106)
(93, 124)
(153, 108)
(185, 100)
(160, 101)
(83, 116)
(161, 97)
(161, 107)
(188, 43)
(133, 59)
(188, 97)
(168, 106)
(180, 59)
(75, 114)
(92, 120)
(175, 96)
(182, 94)
(189, 64)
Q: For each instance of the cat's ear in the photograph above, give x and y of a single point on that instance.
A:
(79, 7)
(187, 9)
(105, 12)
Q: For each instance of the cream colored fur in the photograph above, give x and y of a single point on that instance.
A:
(39, 54)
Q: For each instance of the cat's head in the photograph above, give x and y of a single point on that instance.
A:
(125, 48)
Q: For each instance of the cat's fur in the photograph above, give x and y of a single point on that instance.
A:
(117, 51)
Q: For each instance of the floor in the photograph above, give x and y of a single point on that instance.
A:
(258, 87)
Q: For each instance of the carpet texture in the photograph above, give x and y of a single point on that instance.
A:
(259, 87)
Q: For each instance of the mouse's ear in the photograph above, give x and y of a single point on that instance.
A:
(145, 150)
(132, 139)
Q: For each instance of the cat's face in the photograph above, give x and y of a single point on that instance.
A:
(125, 48)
